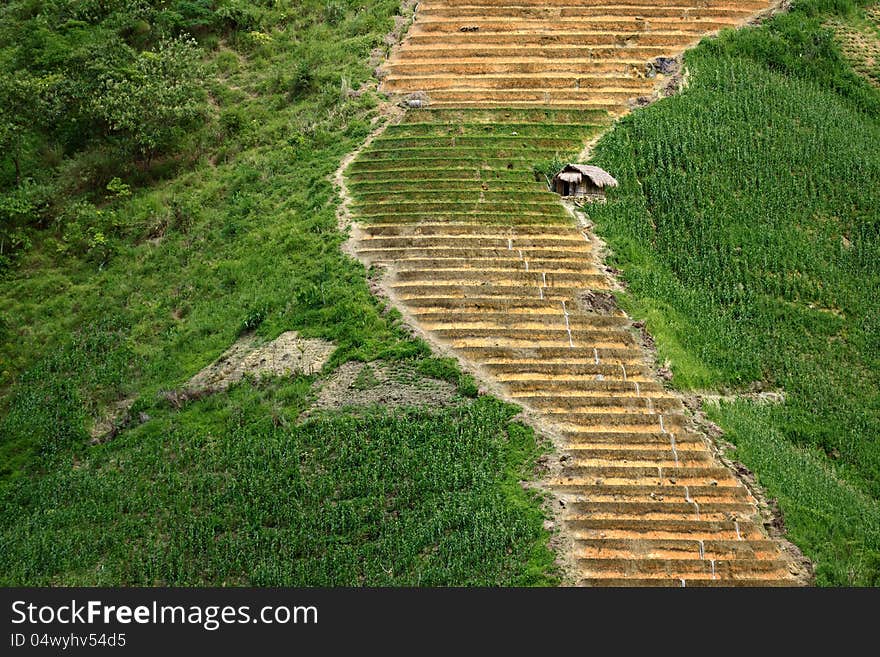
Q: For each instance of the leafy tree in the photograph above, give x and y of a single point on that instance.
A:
(150, 104)
(21, 98)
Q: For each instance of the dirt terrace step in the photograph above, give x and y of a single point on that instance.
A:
(479, 249)
(656, 422)
(537, 194)
(363, 188)
(518, 321)
(744, 530)
(566, 354)
(470, 207)
(662, 459)
(488, 213)
(574, 24)
(631, 450)
(535, 336)
(620, 440)
(614, 108)
(598, 458)
(549, 316)
(580, 387)
(632, 421)
(605, 49)
(608, 373)
(433, 5)
(612, 9)
(490, 305)
(569, 484)
(480, 230)
(620, 432)
(512, 263)
(588, 389)
(676, 549)
(408, 292)
(615, 83)
(479, 191)
(498, 117)
(744, 582)
(686, 476)
(398, 253)
(729, 510)
(710, 569)
(576, 369)
(622, 437)
(645, 403)
(581, 355)
(646, 493)
(418, 43)
(530, 275)
(511, 243)
(552, 125)
(550, 62)
(501, 277)
(488, 218)
(520, 307)
(483, 94)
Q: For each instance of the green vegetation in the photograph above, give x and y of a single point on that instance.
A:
(231, 491)
(748, 227)
(190, 252)
(164, 188)
(488, 173)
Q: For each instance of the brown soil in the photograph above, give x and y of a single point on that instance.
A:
(287, 354)
(380, 384)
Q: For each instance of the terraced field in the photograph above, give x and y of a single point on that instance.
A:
(558, 53)
(491, 265)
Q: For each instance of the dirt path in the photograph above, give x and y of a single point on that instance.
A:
(489, 266)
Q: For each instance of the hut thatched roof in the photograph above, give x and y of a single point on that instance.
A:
(574, 173)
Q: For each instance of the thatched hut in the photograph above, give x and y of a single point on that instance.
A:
(582, 181)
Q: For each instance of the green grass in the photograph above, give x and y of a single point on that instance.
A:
(246, 235)
(747, 224)
(236, 232)
(229, 491)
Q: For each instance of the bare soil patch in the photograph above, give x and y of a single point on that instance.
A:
(380, 384)
(287, 354)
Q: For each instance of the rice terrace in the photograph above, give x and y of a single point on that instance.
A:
(441, 293)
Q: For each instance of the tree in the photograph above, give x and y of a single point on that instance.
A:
(150, 104)
(21, 104)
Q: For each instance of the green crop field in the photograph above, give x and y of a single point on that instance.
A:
(131, 259)
(748, 228)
